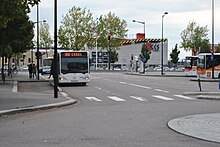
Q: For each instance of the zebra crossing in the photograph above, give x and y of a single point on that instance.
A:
(137, 98)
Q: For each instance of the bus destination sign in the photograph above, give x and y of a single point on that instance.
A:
(74, 54)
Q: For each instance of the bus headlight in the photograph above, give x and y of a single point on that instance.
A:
(62, 78)
(87, 77)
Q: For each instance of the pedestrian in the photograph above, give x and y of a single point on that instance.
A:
(51, 70)
(30, 70)
(34, 71)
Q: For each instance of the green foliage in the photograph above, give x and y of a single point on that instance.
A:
(146, 51)
(76, 29)
(218, 48)
(115, 27)
(113, 56)
(45, 37)
(195, 38)
(16, 30)
(174, 55)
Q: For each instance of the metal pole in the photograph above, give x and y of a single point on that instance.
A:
(213, 40)
(96, 53)
(162, 44)
(162, 48)
(55, 72)
(38, 77)
(144, 31)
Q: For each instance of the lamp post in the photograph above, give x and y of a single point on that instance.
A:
(162, 44)
(38, 76)
(32, 56)
(55, 70)
(142, 22)
(212, 51)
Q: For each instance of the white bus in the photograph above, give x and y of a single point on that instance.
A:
(205, 65)
(191, 65)
(73, 67)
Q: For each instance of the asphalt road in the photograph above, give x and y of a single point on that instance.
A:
(114, 110)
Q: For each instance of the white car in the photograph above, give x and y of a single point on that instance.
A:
(45, 70)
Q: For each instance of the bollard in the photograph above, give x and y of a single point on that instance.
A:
(199, 83)
(219, 84)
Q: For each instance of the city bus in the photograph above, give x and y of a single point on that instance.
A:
(205, 65)
(73, 67)
(191, 65)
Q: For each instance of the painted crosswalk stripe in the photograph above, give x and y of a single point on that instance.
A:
(93, 99)
(140, 86)
(138, 98)
(163, 97)
(162, 90)
(184, 97)
(115, 98)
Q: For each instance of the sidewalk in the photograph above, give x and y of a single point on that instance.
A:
(21, 94)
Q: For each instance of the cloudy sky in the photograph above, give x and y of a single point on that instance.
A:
(180, 13)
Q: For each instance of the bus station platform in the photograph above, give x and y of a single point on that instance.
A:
(22, 94)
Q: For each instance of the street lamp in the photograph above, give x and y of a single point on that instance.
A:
(162, 44)
(212, 51)
(142, 22)
(32, 56)
(38, 75)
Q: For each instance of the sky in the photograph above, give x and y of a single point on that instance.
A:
(180, 13)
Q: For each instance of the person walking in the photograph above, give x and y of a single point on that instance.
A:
(51, 70)
(30, 70)
(34, 71)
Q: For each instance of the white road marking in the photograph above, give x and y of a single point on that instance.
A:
(162, 90)
(140, 86)
(98, 88)
(163, 97)
(184, 97)
(93, 99)
(138, 98)
(122, 83)
(115, 98)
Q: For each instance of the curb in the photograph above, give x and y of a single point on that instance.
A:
(156, 75)
(40, 107)
(204, 95)
(205, 80)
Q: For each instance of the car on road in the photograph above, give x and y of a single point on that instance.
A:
(45, 70)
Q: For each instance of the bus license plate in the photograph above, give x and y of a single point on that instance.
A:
(74, 81)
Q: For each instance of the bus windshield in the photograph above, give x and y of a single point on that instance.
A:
(191, 61)
(74, 65)
(201, 62)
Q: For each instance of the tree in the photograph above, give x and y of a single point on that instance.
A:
(111, 29)
(145, 53)
(174, 55)
(45, 37)
(195, 38)
(218, 48)
(76, 29)
(113, 57)
(16, 31)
